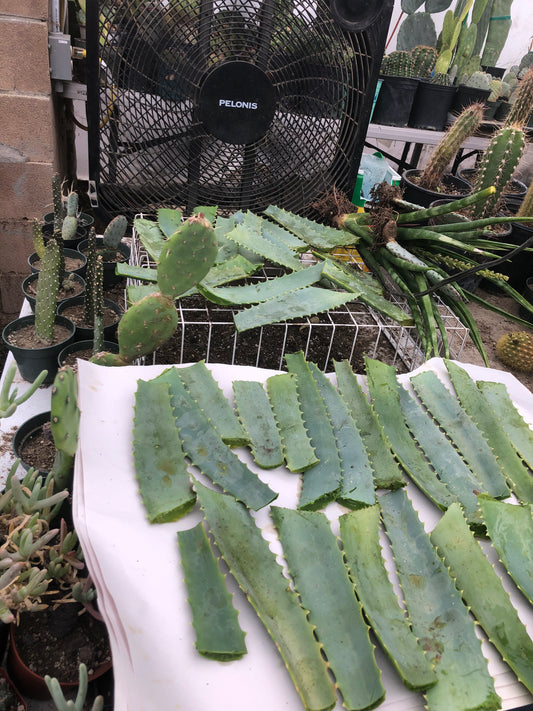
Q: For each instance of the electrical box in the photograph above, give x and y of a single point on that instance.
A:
(60, 56)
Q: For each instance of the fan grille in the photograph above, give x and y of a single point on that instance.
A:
(148, 146)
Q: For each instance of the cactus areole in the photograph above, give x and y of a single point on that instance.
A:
(237, 102)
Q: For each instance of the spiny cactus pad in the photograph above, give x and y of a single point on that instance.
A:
(515, 350)
(146, 325)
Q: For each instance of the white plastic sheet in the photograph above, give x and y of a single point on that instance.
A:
(137, 572)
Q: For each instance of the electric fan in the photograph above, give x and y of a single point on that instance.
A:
(232, 103)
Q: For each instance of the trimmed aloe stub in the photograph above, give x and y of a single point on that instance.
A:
(160, 465)
(263, 290)
(321, 580)
(253, 242)
(303, 302)
(357, 487)
(445, 459)
(320, 483)
(169, 220)
(150, 235)
(510, 529)
(459, 427)
(472, 573)
(206, 450)
(488, 421)
(206, 393)
(387, 473)
(298, 452)
(510, 419)
(363, 554)
(258, 420)
(316, 235)
(259, 575)
(385, 396)
(215, 621)
(438, 617)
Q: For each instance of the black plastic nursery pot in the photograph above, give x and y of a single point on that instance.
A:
(81, 233)
(31, 279)
(29, 428)
(84, 220)
(77, 349)
(110, 277)
(72, 256)
(395, 101)
(466, 95)
(31, 361)
(431, 105)
(528, 296)
(84, 333)
(455, 188)
(517, 189)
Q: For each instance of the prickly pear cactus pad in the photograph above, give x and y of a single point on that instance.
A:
(338, 601)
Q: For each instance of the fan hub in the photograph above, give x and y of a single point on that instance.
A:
(237, 102)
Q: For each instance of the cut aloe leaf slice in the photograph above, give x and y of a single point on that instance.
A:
(259, 423)
(259, 575)
(215, 621)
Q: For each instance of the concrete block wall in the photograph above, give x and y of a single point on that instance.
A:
(28, 145)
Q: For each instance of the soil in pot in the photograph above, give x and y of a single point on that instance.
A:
(72, 285)
(26, 337)
(74, 261)
(75, 311)
(33, 443)
(451, 187)
(82, 350)
(10, 699)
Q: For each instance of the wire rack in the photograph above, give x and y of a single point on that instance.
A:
(206, 331)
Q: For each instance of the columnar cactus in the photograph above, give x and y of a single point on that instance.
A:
(522, 105)
(398, 63)
(88, 301)
(499, 26)
(463, 127)
(497, 166)
(47, 290)
(184, 260)
(57, 199)
(37, 238)
(526, 207)
(424, 59)
(98, 303)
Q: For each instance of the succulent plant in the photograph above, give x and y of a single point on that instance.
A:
(78, 704)
(478, 80)
(64, 423)
(115, 231)
(495, 88)
(515, 350)
(526, 206)
(70, 221)
(398, 63)
(424, 59)
(498, 31)
(522, 104)
(47, 291)
(10, 399)
(57, 200)
(37, 238)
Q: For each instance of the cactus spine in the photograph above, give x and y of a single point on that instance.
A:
(424, 59)
(463, 127)
(497, 167)
(522, 106)
(88, 301)
(398, 63)
(98, 303)
(47, 290)
(57, 199)
(526, 208)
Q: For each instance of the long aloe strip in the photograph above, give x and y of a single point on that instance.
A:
(357, 487)
(321, 580)
(169, 220)
(473, 224)
(462, 431)
(208, 211)
(384, 394)
(263, 290)
(359, 532)
(258, 574)
(474, 404)
(255, 413)
(160, 465)
(510, 419)
(204, 447)
(510, 529)
(438, 617)
(215, 621)
(151, 237)
(303, 302)
(255, 243)
(237, 267)
(316, 235)
(444, 458)
(271, 231)
(320, 483)
(205, 391)
(133, 272)
(482, 590)
(135, 292)
(455, 206)
(298, 451)
(387, 473)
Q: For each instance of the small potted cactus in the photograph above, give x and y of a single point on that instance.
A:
(111, 246)
(434, 94)
(78, 222)
(398, 89)
(471, 90)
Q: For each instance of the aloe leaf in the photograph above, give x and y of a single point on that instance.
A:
(169, 219)
(277, 233)
(488, 421)
(298, 451)
(263, 290)
(232, 269)
(321, 580)
(316, 235)
(385, 396)
(357, 487)
(511, 420)
(160, 464)
(218, 633)
(362, 550)
(257, 418)
(321, 482)
(444, 458)
(473, 573)
(208, 211)
(437, 614)
(226, 248)
(151, 237)
(510, 528)
(459, 427)
(132, 271)
(303, 302)
(258, 574)
(135, 292)
(387, 473)
(206, 450)
(253, 241)
(205, 391)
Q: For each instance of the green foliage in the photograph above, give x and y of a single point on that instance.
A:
(47, 290)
